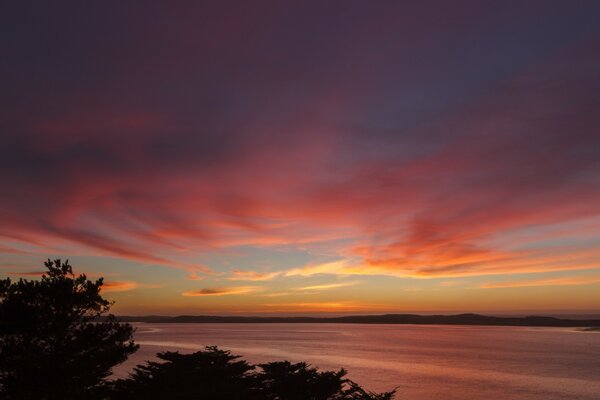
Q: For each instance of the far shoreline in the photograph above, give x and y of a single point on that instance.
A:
(390, 319)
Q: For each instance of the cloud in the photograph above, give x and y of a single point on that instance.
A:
(118, 286)
(325, 306)
(327, 286)
(193, 276)
(566, 281)
(151, 286)
(277, 294)
(333, 267)
(223, 291)
(253, 276)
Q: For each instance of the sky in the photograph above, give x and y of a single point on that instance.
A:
(305, 156)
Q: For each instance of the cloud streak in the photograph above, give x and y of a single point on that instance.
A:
(327, 286)
(221, 291)
(253, 276)
(119, 286)
(332, 306)
(582, 280)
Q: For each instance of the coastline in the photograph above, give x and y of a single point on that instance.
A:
(397, 319)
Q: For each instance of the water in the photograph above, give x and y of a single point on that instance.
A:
(424, 362)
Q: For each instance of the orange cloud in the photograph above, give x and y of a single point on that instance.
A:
(430, 266)
(583, 280)
(277, 294)
(151, 286)
(114, 286)
(325, 306)
(328, 286)
(451, 261)
(224, 291)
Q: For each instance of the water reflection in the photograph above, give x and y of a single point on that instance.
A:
(424, 362)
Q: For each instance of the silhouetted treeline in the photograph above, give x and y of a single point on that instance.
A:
(218, 375)
(58, 342)
(460, 319)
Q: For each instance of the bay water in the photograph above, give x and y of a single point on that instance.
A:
(423, 362)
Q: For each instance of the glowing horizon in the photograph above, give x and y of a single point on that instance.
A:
(283, 158)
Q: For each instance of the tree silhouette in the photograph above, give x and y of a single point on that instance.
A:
(52, 344)
(218, 375)
(283, 380)
(211, 374)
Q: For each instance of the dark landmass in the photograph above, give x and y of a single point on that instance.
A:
(460, 319)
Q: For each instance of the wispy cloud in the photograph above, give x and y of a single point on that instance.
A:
(583, 280)
(334, 267)
(193, 276)
(221, 291)
(325, 306)
(413, 289)
(238, 275)
(454, 283)
(277, 294)
(151, 286)
(327, 286)
(116, 286)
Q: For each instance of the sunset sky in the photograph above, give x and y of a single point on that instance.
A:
(301, 157)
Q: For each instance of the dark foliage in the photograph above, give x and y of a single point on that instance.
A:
(284, 380)
(218, 375)
(211, 374)
(51, 346)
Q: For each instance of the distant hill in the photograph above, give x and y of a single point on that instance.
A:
(459, 319)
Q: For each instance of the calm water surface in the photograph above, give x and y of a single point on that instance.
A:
(423, 361)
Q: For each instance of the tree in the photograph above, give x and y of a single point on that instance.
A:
(53, 344)
(218, 375)
(210, 374)
(282, 380)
